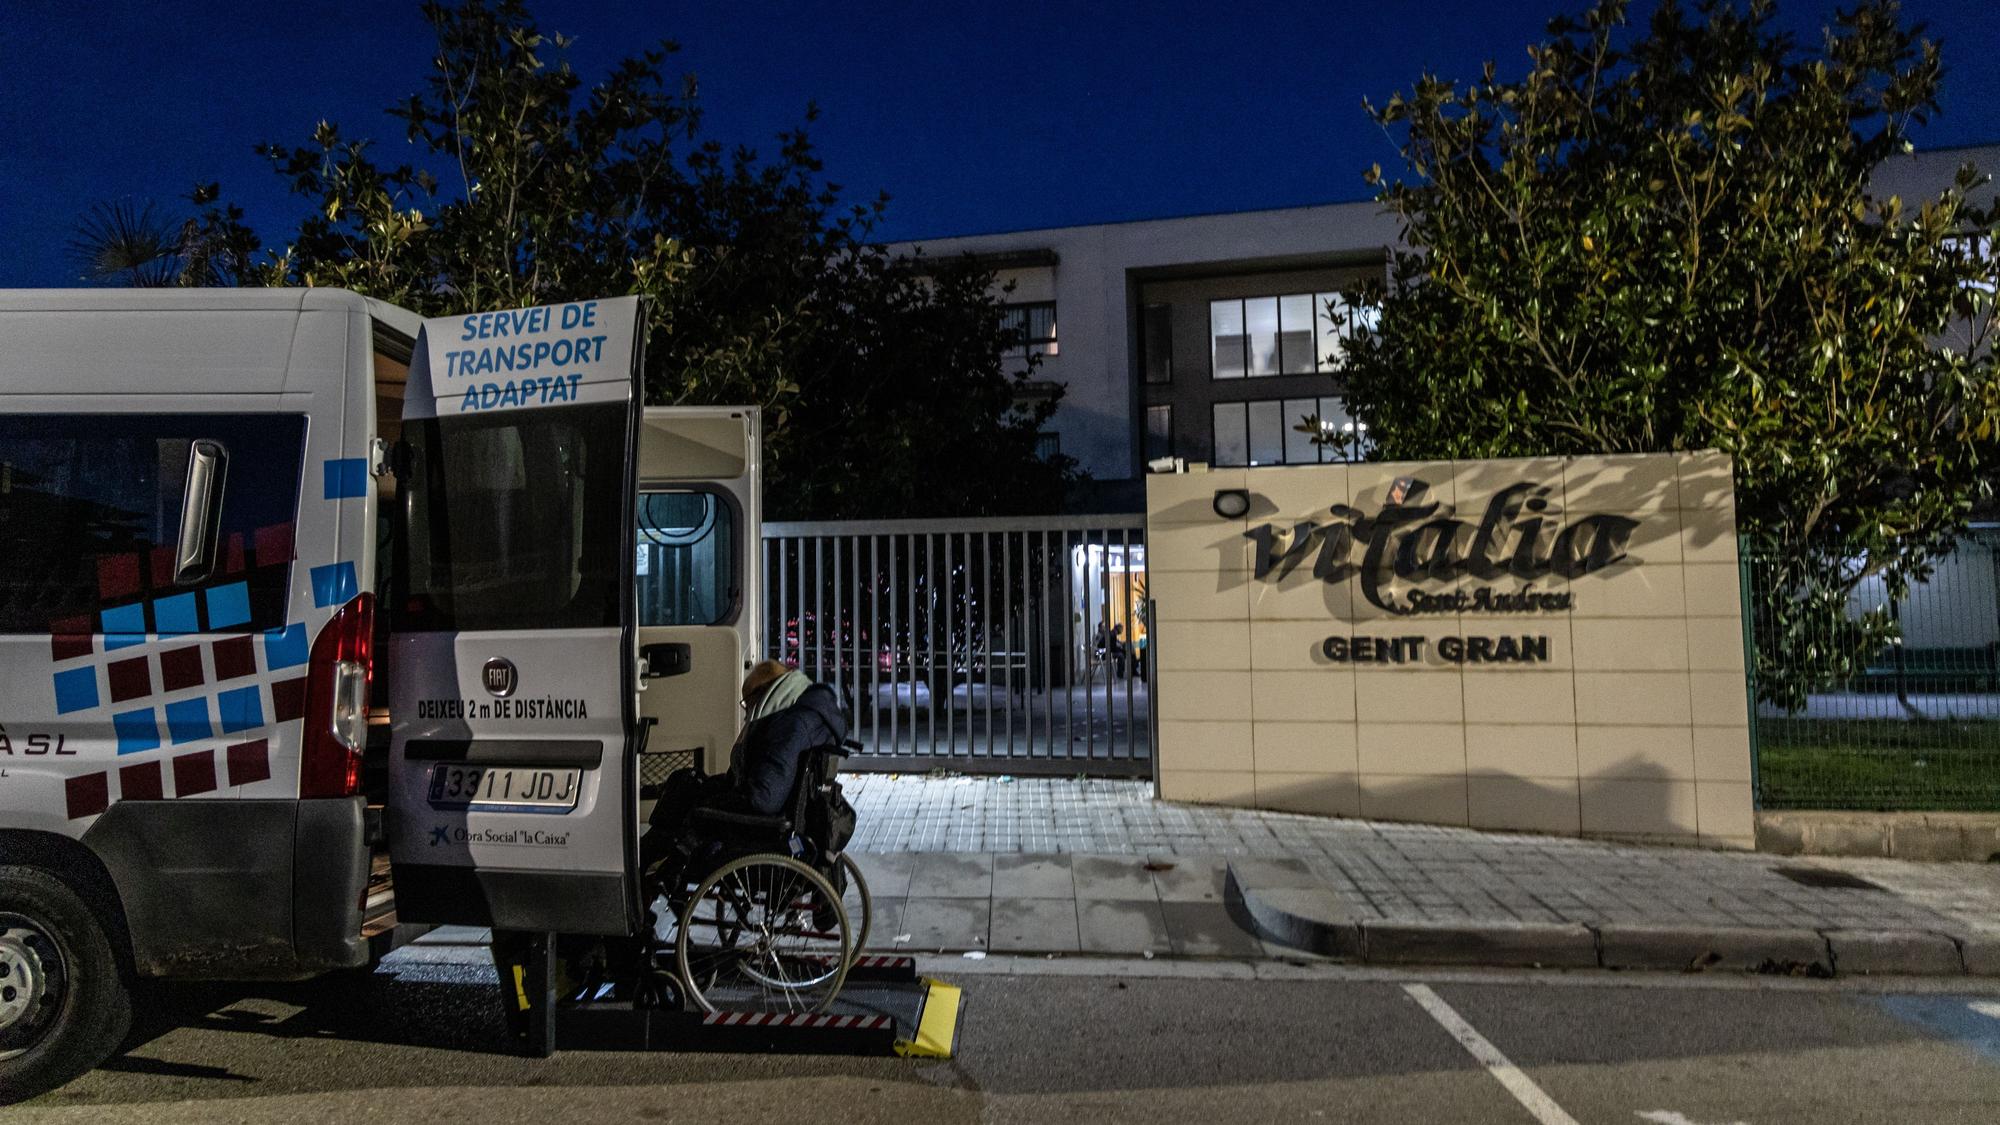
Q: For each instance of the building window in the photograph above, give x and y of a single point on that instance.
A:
(1048, 445)
(1232, 434)
(1156, 342)
(1030, 329)
(1227, 350)
(1267, 432)
(1159, 432)
(1294, 334)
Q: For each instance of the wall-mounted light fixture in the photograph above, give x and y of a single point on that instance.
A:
(1232, 503)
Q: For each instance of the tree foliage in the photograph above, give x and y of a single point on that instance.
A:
(881, 378)
(121, 242)
(1662, 238)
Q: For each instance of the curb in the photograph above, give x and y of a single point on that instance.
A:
(1792, 952)
(1525, 945)
(1316, 920)
(1901, 952)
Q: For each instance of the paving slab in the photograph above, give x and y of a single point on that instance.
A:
(888, 873)
(947, 923)
(1100, 877)
(1123, 926)
(1035, 925)
(885, 923)
(1206, 929)
(1190, 878)
(952, 875)
(1034, 875)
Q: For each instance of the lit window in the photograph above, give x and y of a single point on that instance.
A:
(1294, 334)
(1225, 338)
(1030, 329)
(1267, 432)
(1232, 434)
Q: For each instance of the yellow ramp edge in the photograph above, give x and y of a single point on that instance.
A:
(937, 1028)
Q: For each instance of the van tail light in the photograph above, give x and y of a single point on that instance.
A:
(337, 677)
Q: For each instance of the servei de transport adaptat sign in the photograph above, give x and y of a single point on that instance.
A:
(523, 355)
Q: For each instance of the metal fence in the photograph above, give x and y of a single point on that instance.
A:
(1909, 724)
(984, 645)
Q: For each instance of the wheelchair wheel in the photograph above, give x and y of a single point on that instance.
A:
(860, 907)
(763, 933)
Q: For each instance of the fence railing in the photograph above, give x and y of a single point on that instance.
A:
(988, 645)
(1910, 723)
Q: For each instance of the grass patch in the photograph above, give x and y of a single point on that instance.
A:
(1879, 764)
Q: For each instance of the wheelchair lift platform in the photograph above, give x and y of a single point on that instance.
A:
(884, 1008)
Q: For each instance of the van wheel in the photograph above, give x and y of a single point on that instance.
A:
(63, 1003)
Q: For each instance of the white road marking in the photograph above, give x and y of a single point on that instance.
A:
(1986, 1008)
(1518, 1084)
(1669, 1117)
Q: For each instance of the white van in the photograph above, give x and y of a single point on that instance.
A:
(196, 541)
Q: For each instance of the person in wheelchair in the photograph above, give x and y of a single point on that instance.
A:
(788, 719)
(787, 716)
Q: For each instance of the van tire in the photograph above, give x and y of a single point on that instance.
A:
(95, 1010)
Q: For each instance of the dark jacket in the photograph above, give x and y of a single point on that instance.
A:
(764, 765)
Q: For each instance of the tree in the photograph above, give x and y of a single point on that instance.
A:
(1662, 238)
(882, 383)
(126, 243)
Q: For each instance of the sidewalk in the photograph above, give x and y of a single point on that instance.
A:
(1063, 866)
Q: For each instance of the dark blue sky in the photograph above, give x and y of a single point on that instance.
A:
(974, 116)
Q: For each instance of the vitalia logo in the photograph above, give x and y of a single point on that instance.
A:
(1520, 539)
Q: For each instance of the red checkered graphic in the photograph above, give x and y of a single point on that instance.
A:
(163, 567)
(140, 782)
(234, 658)
(180, 668)
(274, 544)
(129, 679)
(250, 762)
(288, 700)
(194, 774)
(117, 577)
(87, 795)
(129, 683)
(71, 637)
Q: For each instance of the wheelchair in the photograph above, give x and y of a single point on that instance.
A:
(761, 913)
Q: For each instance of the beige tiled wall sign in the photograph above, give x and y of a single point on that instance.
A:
(1550, 645)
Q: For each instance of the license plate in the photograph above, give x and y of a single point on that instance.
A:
(504, 787)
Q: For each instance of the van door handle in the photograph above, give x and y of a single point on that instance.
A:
(668, 658)
(201, 512)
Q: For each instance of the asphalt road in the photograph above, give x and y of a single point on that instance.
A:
(1101, 1041)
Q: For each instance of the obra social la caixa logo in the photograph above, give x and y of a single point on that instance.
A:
(519, 837)
(1521, 536)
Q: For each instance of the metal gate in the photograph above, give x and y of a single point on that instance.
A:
(1913, 724)
(984, 645)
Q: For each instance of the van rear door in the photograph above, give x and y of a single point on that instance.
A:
(513, 669)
